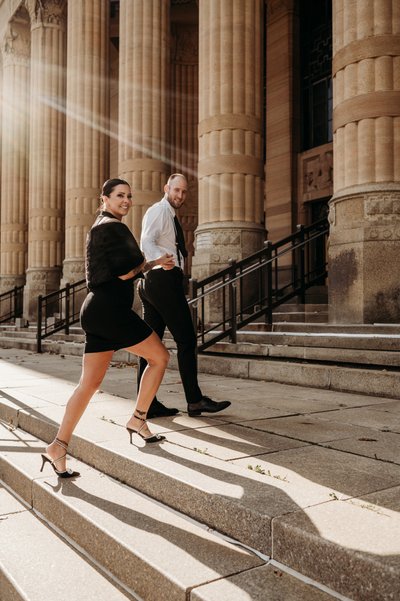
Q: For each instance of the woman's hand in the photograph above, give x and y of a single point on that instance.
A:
(133, 272)
(166, 261)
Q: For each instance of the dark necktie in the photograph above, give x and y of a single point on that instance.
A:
(179, 241)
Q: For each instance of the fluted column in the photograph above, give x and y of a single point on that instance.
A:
(143, 117)
(365, 209)
(46, 151)
(15, 48)
(87, 138)
(230, 139)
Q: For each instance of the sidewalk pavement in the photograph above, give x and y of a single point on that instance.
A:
(322, 466)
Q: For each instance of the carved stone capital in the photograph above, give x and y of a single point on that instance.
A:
(47, 13)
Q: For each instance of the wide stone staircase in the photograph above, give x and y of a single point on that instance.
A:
(182, 522)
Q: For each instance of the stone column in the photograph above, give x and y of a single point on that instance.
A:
(15, 48)
(87, 138)
(46, 151)
(230, 139)
(365, 209)
(143, 116)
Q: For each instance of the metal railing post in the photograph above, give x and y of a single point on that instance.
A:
(269, 295)
(15, 301)
(302, 295)
(39, 325)
(67, 307)
(233, 301)
(192, 292)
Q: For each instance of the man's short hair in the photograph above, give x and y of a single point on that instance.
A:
(174, 176)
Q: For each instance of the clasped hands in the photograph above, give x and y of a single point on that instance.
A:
(166, 261)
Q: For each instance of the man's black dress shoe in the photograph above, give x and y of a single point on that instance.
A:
(206, 405)
(157, 409)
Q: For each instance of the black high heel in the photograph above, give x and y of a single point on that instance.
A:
(46, 459)
(151, 438)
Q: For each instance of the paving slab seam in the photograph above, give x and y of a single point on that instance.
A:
(222, 578)
(358, 454)
(102, 569)
(321, 445)
(283, 568)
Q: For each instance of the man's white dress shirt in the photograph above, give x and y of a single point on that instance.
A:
(158, 232)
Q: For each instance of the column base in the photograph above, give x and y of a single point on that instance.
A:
(8, 282)
(215, 245)
(39, 280)
(73, 271)
(364, 247)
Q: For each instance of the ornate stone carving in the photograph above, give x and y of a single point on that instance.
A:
(381, 205)
(73, 271)
(16, 45)
(218, 246)
(47, 12)
(7, 282)
(316, 173)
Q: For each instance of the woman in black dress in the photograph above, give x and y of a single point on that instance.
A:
(113, 261)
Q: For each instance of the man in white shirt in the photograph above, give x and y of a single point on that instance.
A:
(163, 297)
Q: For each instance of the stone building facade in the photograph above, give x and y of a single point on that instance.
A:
(276, 110)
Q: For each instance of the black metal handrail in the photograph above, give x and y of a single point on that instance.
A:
(59, 310)
(11, 304)
(253, 287)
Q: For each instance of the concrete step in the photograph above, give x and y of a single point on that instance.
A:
(368, 380)
(300, 316)
(335, 328)
(303, 308)
(59, 347)
(308, 508)
(362, 341)
(318, 354)
(38, 565)
(153, 552)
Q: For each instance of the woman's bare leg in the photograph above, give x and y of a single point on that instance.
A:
(94, 367)
(157, 357)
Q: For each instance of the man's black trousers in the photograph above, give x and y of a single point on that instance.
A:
(165, 305)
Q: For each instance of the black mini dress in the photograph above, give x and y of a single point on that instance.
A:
(107, 317)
